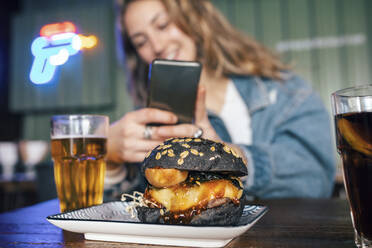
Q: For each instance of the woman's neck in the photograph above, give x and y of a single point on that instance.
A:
(216, 90)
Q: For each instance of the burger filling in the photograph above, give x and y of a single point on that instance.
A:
(199, 191)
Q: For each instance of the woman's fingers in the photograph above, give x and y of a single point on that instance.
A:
(134, 150)
(135, 157)
(140, 145)
(181, 130)
(127, 139)
(152, 115)
(134, 123)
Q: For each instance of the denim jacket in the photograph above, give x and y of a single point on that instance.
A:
(291, 152)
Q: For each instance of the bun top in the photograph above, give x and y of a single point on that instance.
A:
(195, 154)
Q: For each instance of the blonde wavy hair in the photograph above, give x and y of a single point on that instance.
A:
(221, 48)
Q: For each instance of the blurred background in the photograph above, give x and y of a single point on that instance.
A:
(328, 42)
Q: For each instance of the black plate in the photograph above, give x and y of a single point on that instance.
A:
(119, 212)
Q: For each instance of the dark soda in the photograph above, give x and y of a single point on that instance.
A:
(354, 143)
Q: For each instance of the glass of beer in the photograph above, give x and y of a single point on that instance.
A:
(78, 147)
(352, 109)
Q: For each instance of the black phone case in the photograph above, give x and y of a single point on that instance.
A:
(173, 87)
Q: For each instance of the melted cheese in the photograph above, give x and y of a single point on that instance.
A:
(182, 197)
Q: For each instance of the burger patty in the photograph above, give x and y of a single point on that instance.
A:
(194, 194)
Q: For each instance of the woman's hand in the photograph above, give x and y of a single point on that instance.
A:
(126, 141)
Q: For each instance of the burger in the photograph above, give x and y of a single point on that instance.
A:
(192, 181)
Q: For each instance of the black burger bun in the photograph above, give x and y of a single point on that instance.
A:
(227, 214)
(195, 154)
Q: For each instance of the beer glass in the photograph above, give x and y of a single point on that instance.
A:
(352, 109)
(78, 147)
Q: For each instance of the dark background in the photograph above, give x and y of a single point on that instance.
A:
(326, 41)
(10, 124)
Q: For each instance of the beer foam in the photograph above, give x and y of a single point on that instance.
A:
(78, 136)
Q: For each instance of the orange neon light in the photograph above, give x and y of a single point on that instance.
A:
(88, 41)
(56, 28)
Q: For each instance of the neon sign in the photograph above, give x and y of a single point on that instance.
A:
(56, 43)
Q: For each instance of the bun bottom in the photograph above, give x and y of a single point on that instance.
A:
(227, 214)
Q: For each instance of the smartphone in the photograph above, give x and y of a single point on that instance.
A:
(173, 86)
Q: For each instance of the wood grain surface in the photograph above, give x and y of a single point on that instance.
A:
(288, 223)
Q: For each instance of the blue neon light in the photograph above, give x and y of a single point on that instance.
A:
(50, 53)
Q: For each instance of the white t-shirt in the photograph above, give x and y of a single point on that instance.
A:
(235, 115)
(235, 109)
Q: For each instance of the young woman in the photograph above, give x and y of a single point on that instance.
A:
(247, 98)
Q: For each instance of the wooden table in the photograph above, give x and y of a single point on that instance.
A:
(288, 223)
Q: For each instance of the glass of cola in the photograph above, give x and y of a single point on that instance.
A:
(352, 109)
